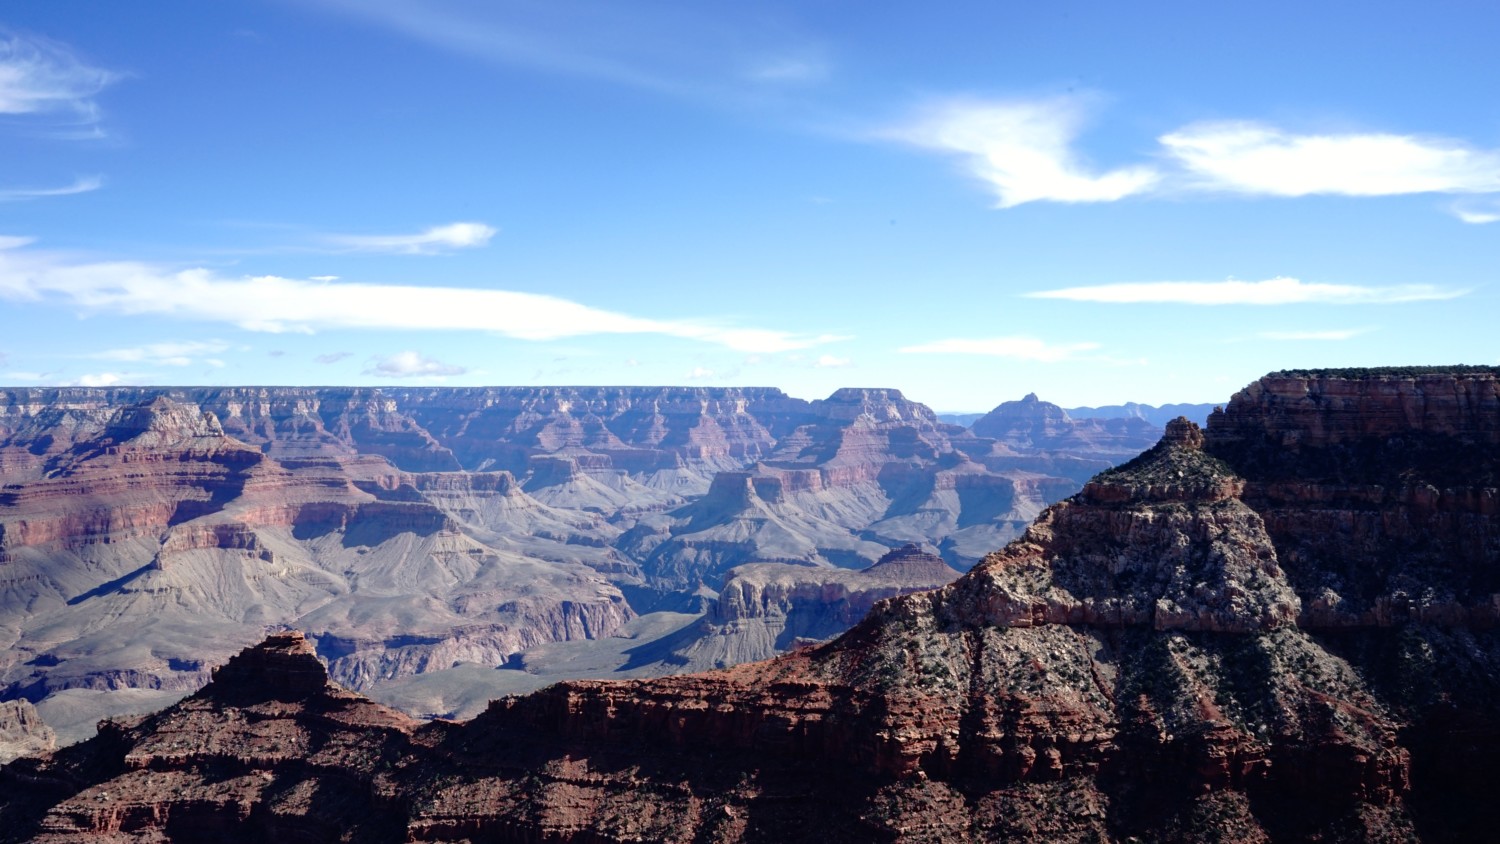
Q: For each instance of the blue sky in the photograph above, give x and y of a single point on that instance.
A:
(1098, 202)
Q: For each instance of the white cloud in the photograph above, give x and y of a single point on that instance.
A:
(429, 242)
(1022, 150)
(699, 373)
(412, 365)
(1259, 159)
(1019, 348)
(80, 185)
(1275, 291)
(831, 362)
(101, 379)
(1477, 217)
(274, 304)
(164, 354)
(40, 76)
(1477, 211)
(1328, 334)
(323, 278)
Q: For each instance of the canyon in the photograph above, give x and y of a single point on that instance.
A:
(1281, 626)
(147, 534)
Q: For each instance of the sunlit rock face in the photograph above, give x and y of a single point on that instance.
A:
(149, 533)
(1149, 661)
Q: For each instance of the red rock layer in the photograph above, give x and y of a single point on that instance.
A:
(1137, 667)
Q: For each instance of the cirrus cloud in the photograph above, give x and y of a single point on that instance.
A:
(427, 242)
(1018, 348)
(166, 354)
(1275, 291)
(1327, 334)
(40, 76)
(80, 185)
(277, 305)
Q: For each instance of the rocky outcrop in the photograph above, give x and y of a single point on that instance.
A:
(767, 608)
(1032, 425)
(1142, 664)
(1381, 492)
(22, 731)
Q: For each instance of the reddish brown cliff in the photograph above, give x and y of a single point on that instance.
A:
(1143, 664)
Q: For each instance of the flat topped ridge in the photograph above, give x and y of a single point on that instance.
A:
(163, 415)
(282, 667)
(1363, 373)
(910, 562)
(1378, 412)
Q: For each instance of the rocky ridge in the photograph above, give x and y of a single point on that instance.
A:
(147, 533)
(1148, 662)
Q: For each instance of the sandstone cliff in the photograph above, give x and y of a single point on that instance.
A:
(1148, 662)
(147, 533)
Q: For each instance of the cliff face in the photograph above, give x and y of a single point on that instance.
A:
(146, 533)
(767, 608)
(22, 731)
(140, 544)
(1148, 662)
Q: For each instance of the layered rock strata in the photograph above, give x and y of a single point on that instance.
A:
(146, 533)
(1146, 663)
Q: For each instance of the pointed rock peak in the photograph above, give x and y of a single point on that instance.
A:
(1175, 469)
(1183, 433)
(283, 667)
(1031, 398)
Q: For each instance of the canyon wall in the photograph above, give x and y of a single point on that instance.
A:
(1156, 658)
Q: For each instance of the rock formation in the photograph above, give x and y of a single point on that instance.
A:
(147, 533)
(1157, 658)
(767, 608)
(22, 731)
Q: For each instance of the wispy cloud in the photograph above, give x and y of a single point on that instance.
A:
(1275, 291)
(40, 76)
(831, 362)
(1332, 334)
(1022, 150)
(332, 357)
(80, 185)
(275, 304)
(166, 354)
(714, 57)
(412, 365)
(1256, 158)
(789, 69)
(1018, 348)
(428, 242)
(699, 373)
(1477, 212)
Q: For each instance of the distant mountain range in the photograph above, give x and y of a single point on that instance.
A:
(1160, 416)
